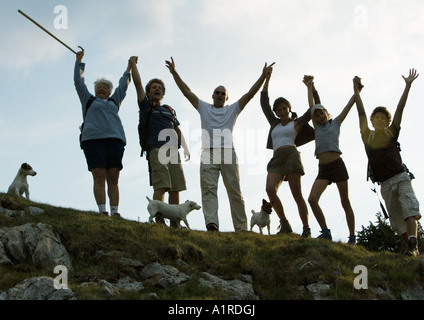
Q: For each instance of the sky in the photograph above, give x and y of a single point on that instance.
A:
(220, 42)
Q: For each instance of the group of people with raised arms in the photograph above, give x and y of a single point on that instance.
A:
(103, 141)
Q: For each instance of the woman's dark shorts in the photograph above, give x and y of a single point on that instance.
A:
(334, 171)
(104, 153)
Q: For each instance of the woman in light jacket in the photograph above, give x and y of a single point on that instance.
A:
(102, 137)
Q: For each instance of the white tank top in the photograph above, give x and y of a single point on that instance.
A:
(283, 135)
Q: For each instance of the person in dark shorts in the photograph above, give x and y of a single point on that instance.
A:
(102, 137)
(331, 166)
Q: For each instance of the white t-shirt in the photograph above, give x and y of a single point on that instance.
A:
(217, 124)
(283, 135)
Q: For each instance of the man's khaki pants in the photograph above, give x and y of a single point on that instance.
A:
(214, 162)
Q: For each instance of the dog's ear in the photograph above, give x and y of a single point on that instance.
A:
(25, 166)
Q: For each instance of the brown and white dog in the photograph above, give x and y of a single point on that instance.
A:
(262, 218)
(19, 185)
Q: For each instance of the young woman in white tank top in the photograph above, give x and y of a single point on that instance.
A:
(286, 163)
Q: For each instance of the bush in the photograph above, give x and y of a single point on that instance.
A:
(381, 237)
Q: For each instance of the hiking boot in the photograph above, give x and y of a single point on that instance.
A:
(212, 227)
(306, 232)
(284, 227)
(412, 247)
(116, 215)
(352, 239)
(325, 234)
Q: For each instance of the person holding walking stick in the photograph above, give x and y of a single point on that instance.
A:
(102, 137)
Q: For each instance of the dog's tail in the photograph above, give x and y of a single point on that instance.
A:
(253, 211)
(148, 199)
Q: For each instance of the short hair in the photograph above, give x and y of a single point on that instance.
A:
(105, 82)
(155, 80)
(384, 111)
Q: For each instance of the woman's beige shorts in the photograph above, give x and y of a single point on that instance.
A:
(165, 175)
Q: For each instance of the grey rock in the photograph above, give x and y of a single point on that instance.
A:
(236, 289)
(37, 288)
(38, 243)
(163, 275)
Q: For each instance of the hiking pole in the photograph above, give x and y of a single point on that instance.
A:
(50, 34)
(386, 216)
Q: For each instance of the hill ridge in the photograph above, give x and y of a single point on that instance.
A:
(282, 267)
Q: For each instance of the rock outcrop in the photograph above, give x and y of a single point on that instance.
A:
(37, 288)
(36, 243)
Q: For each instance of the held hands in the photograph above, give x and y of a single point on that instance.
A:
(412, 76)
(308, 80)
(357, 85)
(133, 60)
(267, 70)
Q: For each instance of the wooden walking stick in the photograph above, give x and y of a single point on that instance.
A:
(49, 33)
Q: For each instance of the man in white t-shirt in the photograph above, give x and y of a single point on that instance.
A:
(218, 154)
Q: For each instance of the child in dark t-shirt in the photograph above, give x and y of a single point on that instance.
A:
(386, 166)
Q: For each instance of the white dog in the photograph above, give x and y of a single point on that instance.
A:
(262, 218)
(20, 184)
(174, 212)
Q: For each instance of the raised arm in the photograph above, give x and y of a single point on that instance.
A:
(132, 65)
(363, 121)
(266, 107)
(357, 87)
(79, 81)
(267, 70)
(194, 100)
(397, 118)
(309, 83)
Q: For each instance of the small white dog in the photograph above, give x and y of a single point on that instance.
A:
(262, 218)
(20, 184)
(174, 212)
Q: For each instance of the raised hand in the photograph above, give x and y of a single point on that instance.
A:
(267, 70)
(412, 76)
(357, 85)
(308, 80)
(170, 65)
(80, 54)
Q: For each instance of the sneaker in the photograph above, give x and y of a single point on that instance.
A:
(352, 239)
(306, 232)
(284, 227)
(212, 227)
(325, 234)
(106, 214)
(412, 247)
(116, 215)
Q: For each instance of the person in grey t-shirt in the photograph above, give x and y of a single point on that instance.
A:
(331, 165)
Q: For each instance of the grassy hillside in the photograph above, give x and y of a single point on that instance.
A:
(273, 261)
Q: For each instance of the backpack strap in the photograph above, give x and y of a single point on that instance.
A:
(88, 105)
